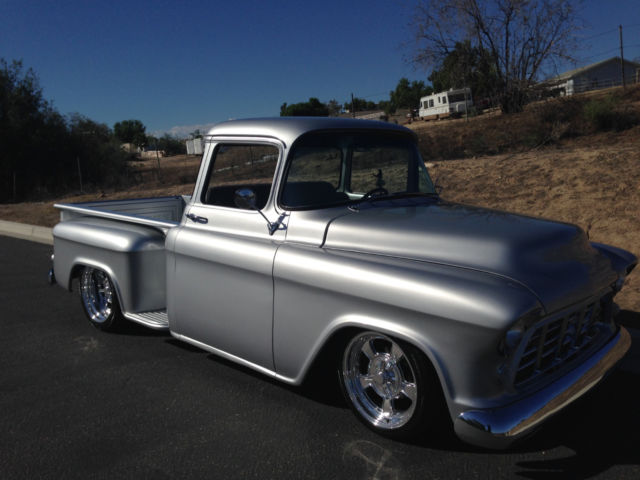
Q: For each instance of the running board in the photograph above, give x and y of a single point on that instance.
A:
(158, 320)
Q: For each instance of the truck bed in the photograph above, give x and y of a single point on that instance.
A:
(159, 212)
(127, 239)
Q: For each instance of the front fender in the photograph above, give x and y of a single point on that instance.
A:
(622, 261)
(455, 316)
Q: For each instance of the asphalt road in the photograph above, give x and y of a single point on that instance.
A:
(79, 403)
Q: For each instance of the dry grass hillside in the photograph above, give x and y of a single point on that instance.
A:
(553, 160)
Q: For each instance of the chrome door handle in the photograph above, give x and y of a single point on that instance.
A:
(196, 218)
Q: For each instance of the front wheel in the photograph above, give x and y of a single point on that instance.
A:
(389, 385)
(99, 299)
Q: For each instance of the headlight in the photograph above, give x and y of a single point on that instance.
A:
(512, 337)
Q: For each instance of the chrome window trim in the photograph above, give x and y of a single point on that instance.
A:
(212, 143)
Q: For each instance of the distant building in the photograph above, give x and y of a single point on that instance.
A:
(445, 104)
(130, 148)
(152, 153)
(195, 146)
(604, 74)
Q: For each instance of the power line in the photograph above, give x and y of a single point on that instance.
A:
(600, 34)
(596, 35)
(590, 57)
(375, 94)
(596, 55)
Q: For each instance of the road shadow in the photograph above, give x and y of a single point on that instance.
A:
(318, 386)
(600, 430)
(134, 329)
(629, 319)
(184, 345)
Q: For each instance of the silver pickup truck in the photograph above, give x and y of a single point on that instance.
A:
(323, 240)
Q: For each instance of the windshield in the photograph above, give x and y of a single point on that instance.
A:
(457, 97)
(339, 168)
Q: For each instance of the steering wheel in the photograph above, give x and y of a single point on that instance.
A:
(379, 191)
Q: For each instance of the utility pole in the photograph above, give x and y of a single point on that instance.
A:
(79, 174)
(624, 83)
(353, 110)
(158, 158)
(466, 105)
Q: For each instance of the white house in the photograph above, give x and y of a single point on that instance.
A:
(604, 74)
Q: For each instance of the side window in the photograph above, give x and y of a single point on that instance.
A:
(236, 166)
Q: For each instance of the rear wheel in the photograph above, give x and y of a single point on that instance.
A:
(389, 385)
(99, 299)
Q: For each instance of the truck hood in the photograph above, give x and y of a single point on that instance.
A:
(554, 260)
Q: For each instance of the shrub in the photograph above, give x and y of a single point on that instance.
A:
(605, 114)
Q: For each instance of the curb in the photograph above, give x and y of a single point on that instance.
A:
(34, 233)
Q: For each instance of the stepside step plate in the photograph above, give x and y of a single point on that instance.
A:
(158, 320)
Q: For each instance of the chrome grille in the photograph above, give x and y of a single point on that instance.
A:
(556, 341)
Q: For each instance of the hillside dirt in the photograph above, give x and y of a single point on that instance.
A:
(592, 181)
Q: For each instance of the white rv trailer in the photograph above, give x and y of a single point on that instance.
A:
(444, 104)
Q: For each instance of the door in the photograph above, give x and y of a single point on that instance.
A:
(221, 285)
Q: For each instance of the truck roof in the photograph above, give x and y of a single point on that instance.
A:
(288, 129)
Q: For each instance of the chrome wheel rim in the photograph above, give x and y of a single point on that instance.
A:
(380, 380)
(97, 294)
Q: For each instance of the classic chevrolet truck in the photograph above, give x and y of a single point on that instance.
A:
(323, 240)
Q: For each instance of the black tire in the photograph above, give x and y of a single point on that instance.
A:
(390, 386)
(99, 299)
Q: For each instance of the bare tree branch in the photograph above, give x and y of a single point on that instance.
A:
(522, 37)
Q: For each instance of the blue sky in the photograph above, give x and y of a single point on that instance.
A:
(177, 66)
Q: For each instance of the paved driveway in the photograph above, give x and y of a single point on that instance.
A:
(79, 403)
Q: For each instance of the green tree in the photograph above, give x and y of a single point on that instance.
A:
(407, 94)
(312, 108)
(521, 38)
(97, 152)
(466, 66)
(387, 106)
(43, 153)
(360, 104)
(171, 145)
(334, 108)
(29, 127)
(131, 131)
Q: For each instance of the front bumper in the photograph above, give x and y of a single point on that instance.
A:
(500, 427)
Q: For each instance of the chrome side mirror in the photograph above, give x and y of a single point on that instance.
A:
(245, 198)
